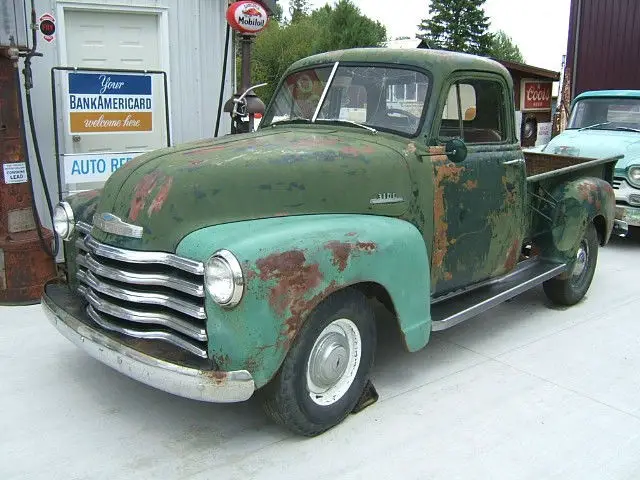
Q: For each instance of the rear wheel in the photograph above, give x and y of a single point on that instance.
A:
(572, 286)
(327, 368)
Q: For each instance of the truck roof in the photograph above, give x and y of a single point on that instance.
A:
(608, 93)
(437, 61)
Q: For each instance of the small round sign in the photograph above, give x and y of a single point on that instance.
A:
(247, 17)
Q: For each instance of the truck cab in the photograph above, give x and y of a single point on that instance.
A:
(607, 122)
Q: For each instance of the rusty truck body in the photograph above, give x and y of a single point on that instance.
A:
(247, 265)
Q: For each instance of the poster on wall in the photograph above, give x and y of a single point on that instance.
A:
(110, 103)
(544, 134)
(535, 96)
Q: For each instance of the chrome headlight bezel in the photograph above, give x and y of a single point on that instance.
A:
(633, 175)
(226, 260)
(63, 220)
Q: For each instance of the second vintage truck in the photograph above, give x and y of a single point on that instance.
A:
(248, 265)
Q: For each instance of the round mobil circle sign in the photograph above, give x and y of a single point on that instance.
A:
(247, 17)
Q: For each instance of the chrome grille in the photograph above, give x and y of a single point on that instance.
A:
(616, 183)
(147, 295)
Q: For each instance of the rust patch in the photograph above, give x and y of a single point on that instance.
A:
(411, 149)
(471, 184)
(341, 251)
(366, 246)
(444, 172)
(448, 276)
(512, 256)
(141, 192)
(217, 376)
(588, 191)
(355, 151)
(161, 197)
(293, 278)
(351, 234)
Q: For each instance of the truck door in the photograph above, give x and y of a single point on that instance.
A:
(479, 203)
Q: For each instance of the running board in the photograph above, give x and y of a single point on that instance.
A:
(455, 310)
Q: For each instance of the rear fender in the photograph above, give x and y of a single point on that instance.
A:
(290, 264)
(577, 204)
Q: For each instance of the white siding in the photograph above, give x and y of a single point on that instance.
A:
(196, 33)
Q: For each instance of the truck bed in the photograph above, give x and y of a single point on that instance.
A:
(545, 165)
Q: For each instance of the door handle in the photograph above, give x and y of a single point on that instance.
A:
(517, 161)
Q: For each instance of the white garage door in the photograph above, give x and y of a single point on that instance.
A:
(118, 40)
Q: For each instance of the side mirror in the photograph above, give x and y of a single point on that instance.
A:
(456, 150)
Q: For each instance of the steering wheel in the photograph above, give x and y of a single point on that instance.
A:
(410, 116)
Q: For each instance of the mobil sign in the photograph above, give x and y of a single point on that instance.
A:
(535, 95)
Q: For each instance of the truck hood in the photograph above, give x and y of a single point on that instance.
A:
(280, 172)
(598, 143)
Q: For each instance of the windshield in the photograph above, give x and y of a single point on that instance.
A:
(606, 114)
(383, 98)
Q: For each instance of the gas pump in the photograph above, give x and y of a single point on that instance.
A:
(26, 247)
(248, 19)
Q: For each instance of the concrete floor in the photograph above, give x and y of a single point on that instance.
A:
(525, 391)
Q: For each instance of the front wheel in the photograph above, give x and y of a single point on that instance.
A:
(572, 286)
(327, 368)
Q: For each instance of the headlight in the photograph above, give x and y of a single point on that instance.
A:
(63, 222)
(634, 176)
(223, 278)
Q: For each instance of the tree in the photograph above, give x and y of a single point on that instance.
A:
(327, 28)
(457, 25)
(344, 26)
(277, 13)
(502, 47)
(298, 9)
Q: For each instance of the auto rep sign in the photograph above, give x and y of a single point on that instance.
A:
(109, 103)
(535, 95)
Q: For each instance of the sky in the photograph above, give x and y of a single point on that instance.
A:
(538, 27)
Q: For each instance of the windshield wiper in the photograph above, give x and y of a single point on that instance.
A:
(291, 120)
(350, 122)
(628, 129)
(596, 125)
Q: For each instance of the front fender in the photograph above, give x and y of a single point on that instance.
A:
(290, 264)
(575, 204)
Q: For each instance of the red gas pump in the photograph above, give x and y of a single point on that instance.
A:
(25, 264)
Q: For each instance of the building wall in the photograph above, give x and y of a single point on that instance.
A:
(194, 49)
(603, 50)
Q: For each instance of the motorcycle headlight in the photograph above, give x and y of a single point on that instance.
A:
(223, 278)
(634, 176)
(63, 222)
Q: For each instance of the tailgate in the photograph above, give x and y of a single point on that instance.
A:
(541, 166)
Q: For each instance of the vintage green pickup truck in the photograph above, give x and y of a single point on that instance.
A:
(249, 264)
(605, 123)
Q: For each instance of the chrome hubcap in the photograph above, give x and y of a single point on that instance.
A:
(333, 362)
(582, 257)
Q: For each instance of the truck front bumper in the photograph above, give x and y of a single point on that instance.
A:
(630, 215)
(66, 312)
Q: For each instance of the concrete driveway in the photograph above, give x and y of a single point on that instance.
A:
(525, 391)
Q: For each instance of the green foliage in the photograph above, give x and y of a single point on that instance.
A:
(298, 9)
(327, 28)
(457, 25)
(502, 47)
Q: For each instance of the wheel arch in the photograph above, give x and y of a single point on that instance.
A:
(291, 264)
